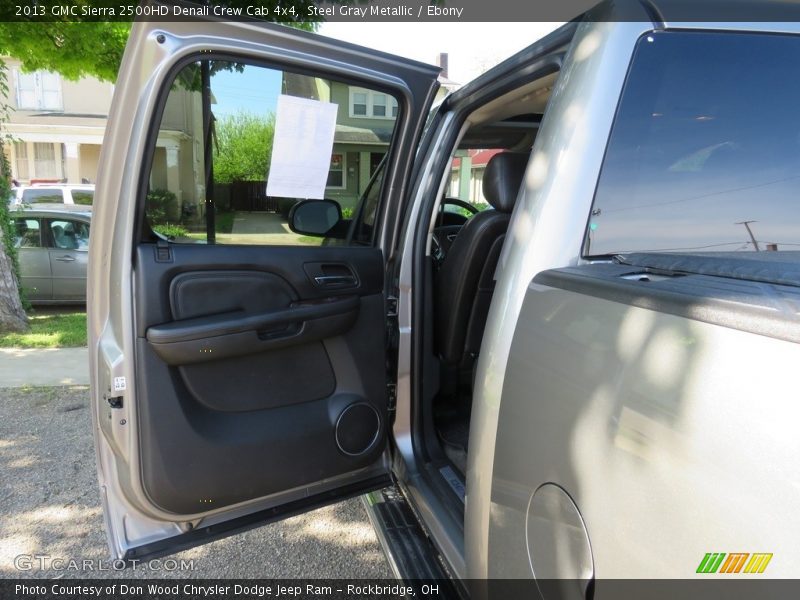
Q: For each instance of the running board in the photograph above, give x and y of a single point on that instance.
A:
(409, 551)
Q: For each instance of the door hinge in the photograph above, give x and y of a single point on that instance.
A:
(391, 396)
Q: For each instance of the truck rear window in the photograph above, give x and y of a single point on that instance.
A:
(704, 154)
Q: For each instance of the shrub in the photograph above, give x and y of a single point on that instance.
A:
(170, 230)
(162, 207)
(243, 147)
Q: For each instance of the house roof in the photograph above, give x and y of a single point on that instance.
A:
(356, 135)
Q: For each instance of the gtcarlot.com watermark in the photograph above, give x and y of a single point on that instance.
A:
(48, 562)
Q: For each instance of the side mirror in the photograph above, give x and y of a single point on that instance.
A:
(315, 217)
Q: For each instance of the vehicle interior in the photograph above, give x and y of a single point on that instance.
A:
(467, 229)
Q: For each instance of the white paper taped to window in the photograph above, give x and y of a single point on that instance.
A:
(301, 148)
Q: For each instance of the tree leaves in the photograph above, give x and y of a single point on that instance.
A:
(243, 147)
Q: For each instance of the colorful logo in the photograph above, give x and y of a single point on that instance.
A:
(735, 562)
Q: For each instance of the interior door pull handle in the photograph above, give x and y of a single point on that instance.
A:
(335, 279)
(66, 258)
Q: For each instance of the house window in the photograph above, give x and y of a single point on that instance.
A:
(21, 160)
(336, 172)
(373, 105)
(359, 104)
(379, 105)
(44, 160)
(39, 91)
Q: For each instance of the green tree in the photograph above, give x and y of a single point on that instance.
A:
(72, 49)
(76, 49)
(243, 147)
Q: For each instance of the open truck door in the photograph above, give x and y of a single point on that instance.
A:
(238, 368)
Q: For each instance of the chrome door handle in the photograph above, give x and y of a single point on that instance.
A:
(66, 258)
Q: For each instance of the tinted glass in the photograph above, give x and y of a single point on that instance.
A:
(276, 138)
(705, 149)
(69, 235)
(28, 233)
(83, 197)
(44, 196)
(466, 178)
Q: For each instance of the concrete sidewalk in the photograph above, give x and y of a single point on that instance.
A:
(43, 367)
(260, 228)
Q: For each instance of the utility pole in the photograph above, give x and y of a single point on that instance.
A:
(750, 231)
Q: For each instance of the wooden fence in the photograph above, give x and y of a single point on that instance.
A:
(245, 195)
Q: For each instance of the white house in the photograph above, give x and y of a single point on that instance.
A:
(57, 125)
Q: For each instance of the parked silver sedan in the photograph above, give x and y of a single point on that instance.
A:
(53, 253)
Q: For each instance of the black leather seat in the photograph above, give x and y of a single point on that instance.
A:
(465, 281)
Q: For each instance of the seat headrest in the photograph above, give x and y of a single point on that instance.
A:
(503, 178)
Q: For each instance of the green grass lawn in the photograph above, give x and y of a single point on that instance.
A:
(49, 331)
(223, 223)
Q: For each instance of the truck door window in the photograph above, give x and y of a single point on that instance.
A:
(240, 144)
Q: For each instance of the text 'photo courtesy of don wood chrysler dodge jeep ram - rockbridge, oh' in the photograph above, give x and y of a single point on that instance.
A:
(550, 325)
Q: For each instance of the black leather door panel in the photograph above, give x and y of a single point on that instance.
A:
(239, 352)
(200, 293)
(220, 336)
(195, 458)
(154, 278)
(264, 381)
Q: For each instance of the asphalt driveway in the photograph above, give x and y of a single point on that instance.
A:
(49, 505)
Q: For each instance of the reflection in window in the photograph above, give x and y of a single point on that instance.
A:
(42, 196)
(83, 197)
(705, 149)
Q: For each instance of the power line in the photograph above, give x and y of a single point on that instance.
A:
(701, 196)
(686, 248)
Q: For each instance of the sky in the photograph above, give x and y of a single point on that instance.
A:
(256, 90)
(472, 47)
